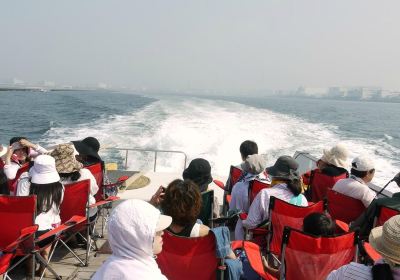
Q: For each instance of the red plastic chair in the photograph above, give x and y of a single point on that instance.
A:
(188, 258)
(344, 208)
(12, 184)
(9, 252)
(308, 257)
(281, 214)
(383, 214)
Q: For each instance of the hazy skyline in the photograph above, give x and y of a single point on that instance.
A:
(225, 44)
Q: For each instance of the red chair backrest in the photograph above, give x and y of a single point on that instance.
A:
(344, 208)
(320, 183)
(255, 187)
(188, 258)
(97, 171)
(76, 196)
(12, 184)
(283, 214)
(308, 257)
(16, 213)
(385, 213)
(234, 174)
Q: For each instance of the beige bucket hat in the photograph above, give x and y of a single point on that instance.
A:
(386, 239)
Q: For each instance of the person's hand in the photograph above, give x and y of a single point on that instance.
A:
(26, 143)
(9, 154)
(158, 197)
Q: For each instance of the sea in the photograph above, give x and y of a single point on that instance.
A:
(211, 127)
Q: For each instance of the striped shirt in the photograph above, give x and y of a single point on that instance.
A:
(357, 271)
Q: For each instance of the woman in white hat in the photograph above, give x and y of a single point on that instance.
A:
(43, 181)
(135, 230)
(386, 241)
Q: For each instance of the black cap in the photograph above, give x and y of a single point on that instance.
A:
(199, 171)
(89, 146)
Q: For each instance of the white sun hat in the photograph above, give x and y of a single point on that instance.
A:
(44, 170)
(3, 150)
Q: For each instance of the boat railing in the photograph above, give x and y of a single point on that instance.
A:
(155, 151)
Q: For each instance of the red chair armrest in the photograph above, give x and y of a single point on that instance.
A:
(374, 255)
(228, 198)
(342, 225)
(254, 256)
(219, 184)
(243, 216)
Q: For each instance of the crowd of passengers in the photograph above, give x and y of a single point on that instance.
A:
(136, 227)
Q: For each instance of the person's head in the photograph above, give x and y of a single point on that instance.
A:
(21, 152)
(199, 171)
(66, 163)
(364, 168)
(285, 169)
(135, 229)
(88, 149)
(254, 164)
(319, 224)
(182, 201)
(336, 156)
(45, 183)
(247, 148)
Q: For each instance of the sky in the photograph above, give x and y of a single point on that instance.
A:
(204, 44)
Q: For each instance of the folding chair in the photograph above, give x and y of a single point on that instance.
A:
(255, 186)
(308, 257)
(189, 258)
(17, 213)
(383, 214)
(103, 201)
(234, 175)
(74, 216)
(8, 253)
(344, 208)
(207, 206)
(281, 214)
(320, 183)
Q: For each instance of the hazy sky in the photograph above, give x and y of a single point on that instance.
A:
(204, 44)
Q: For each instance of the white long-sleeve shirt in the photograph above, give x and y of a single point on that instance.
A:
(258, 211)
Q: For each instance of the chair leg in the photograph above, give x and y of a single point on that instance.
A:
(44, 262)
(72, 252)
(49, 259)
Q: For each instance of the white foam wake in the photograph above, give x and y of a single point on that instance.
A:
(214, 130)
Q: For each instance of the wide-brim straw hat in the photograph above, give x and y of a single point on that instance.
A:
(386, 239)
(64, 155)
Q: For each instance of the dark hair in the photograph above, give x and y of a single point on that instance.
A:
(182, 201)
(248, 148)
(47, 194)
(17, 139)
(360, 174)
(319, 224)
(3, 183)
(294, 185)
(73, 176)
(382, 271)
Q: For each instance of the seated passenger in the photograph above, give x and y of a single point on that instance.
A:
(182, 201)
(135, 230)
(199, 171)
(286, 185)
(386, 241)
(21, 151)
(362, 172)
(88, 151)
(319, 224)
(252, 167)
(331, 167)
(43, 181)
(365, 222)
(246, 149)
(3, 151)
(70, 171)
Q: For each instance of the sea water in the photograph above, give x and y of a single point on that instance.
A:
(211, 127)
